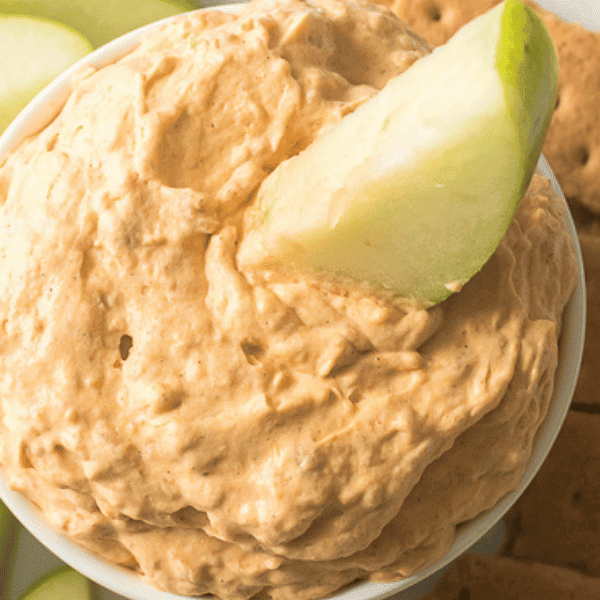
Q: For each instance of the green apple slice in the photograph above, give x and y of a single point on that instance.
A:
(7, 524)
(32, 53)
(99, 20)
(412, 193)
(62, 583)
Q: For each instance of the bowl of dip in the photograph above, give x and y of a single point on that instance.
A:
(39, 113)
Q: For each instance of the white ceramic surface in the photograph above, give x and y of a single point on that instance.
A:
(125, 585)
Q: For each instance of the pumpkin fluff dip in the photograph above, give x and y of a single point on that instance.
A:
(223, 433)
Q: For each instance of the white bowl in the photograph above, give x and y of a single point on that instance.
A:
(37, 115)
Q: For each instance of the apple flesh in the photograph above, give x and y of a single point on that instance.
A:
(63, 582)
(33, 52)
(100, 21)
(412, 193)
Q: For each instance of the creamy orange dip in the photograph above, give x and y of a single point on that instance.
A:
(224, 435)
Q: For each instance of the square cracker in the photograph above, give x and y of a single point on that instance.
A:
(572, 145)
(557, 519)
(483, 577)
(438, 20)
(587, 391)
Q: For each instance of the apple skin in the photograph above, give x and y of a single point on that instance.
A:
(519, 63)
(445, 151)
(100, 21)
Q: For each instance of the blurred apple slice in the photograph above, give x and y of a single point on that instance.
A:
(62, 583)
(32, 53)
(7, 524)
(98, 20)
(412, 193)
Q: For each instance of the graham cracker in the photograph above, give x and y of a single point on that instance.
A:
(438, 20)
(557, 519)
(572, 145)
(485, 577)
(587, 391)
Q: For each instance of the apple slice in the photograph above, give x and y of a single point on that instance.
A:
(99, 20)
(412, 193)
(32, 53)
(63, 582)
(7, 524)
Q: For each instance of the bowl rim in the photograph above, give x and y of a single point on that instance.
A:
(40, 112)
